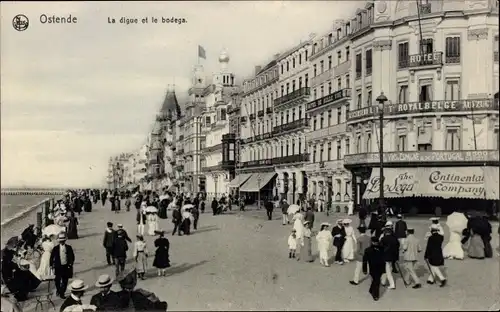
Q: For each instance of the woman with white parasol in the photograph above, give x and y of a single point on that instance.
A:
(456, 222)
(152, 219)
(350, 243)
(325, 241)
(187, 218)
(298, 226)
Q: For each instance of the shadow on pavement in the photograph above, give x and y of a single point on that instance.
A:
(177, 269)
(89, 235)
(207, 229)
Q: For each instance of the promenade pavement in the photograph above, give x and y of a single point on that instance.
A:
(239, 261)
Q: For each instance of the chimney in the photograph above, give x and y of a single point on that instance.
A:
(257, 69)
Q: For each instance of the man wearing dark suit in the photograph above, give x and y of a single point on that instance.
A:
(77, 289)
(62, 259)
(338, 233)
(108, 241)
(374, 262)
(106, 299)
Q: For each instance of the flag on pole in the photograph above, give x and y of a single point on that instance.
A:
(201, 52)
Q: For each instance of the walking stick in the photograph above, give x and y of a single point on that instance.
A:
(401, 273)
(429, 267)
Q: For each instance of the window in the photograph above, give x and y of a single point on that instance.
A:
(347, 147)
(426, 45)
(358, 145)
(300, 58)
(282, 118)
(287, 66)
(339, 115)
(314, 154)
(425, 93)
(369, 98)
(424, 147)
(403, 55)
(322, 91)
(452, 92)
(300, 82)
(293, 85)
(330, 38)
(223, 114)
(339, 150)
(293, 114)
(300, 112)
(315, 124)
(495, 47)
(315, 71)
(330, 62)
(282, 90)
(496, 138)
(306, 80)
(358, 66)
(339, 33)
(300, 146)
(339, 84)
(329, 156)
(347, 54)
(401, 144)
(287, 116)
(287, 148)
(207, 121)
(321, 66)
(339, 57)
(330, 87)
(315, 94)
(368, 62)
(315, 48)
(321, 121)
(282, 71)
(287, 87)
(358, 101)
(403, 94)
(347, 81)
(329, 118)
(452, 139)
(368, 143)
(293, 146)
(307, 55)
(321, 151)
(293, 63)
(452, 52)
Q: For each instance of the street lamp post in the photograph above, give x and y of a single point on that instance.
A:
(381, 99)
(258, 192)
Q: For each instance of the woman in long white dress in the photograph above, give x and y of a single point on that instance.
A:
(350, 242)
(44, 270)
(298, 226)
(325, 241)
(141, 220)
(152, 224)
(454, 250)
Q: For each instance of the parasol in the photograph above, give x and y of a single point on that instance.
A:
(151, 209)
(187, 206)
(457, 222)
(53, 229)
(293, 209)
(186, 215)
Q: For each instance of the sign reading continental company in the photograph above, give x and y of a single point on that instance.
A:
(445, 182)
(425, 107)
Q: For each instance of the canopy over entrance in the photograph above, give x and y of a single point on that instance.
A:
(257, 181)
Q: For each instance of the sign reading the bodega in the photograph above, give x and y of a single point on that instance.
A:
(468, 184)
(396, 184)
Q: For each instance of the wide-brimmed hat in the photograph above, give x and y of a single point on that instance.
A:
(62, 237)
(434, 219)
(325, 224)
(104, 281)
(388, 224)
(119, 226)
(340, 221)
(434, 227)
(306, 222)
(77, 285)
(346, 221)
(129, 281)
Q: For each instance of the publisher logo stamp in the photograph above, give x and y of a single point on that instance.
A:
(20, 22)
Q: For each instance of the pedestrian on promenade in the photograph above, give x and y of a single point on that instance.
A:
(141, 219)
(292, 244)
(72, 226)
(128, 203)
(269, 209)
(411, 249)
(196, 216)
(108, 243)
(177, 221)
(362, 213)
(325, 240)
(374, 262)
(141, 256)
(113, 204)
(310, 217)
(400, 228)
(62, 259)
(348, 249)
(104, 196)
(125, 234)
(434, 256)
(87, 204)
(284, 212)
(338, 233)
(106, 299)
(214, 206)
(162, 257)
(120, 248)
(390, 245)
(363, 242)
(77, 289)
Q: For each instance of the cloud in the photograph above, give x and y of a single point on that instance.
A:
(74, 95)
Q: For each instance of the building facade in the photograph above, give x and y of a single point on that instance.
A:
(254, 132)
(329, 182)
(437, 64)
(118, 170)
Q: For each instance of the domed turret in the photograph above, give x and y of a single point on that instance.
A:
(224, 57)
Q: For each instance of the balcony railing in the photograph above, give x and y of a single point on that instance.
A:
(227, 164)
(463, 106)
(306, 91)
(330, 98)
(257, 138)
(256, 163)
(368, 71)
(290, 159)
(179, 167)
(358, 75)
(212, 148)
(252, 116)
(422, 60)
(319, 79)
(269, 110)
(495, 56)
(210, 168)
(326, 132)
(472, 156)
(260, 113)
(294, 125)
(453, 59)
(342, 68)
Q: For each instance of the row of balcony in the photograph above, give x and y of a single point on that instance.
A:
(257, 138)
(343, 94)
(425, 107)
(276, 161)
(291, 126)
(212, 148)
(295, 95)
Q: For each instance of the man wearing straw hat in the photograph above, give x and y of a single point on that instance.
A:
(62, 259)
(106, 299)
(77, 289)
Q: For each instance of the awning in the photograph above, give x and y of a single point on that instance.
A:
(257, 181)
(240, 179)
(398, 182)
(445, 182)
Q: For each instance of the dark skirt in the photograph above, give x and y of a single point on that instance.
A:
(306, 250)
(161, 260)
(186, 226)
(162, 212)
(73, 229)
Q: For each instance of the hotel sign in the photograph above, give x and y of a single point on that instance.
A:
(425, 107)
(423, 157)
(426, 59)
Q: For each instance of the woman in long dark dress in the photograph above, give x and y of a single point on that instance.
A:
(162, 211)
(87, 204)
(72, 227)
(162, 258)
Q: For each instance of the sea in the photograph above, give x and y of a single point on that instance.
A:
(13, 204)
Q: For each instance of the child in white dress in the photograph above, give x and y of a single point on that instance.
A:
(292, 244)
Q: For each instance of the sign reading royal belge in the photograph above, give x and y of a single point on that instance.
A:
(446, 182)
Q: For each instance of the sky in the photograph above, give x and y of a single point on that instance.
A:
(72, 95)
